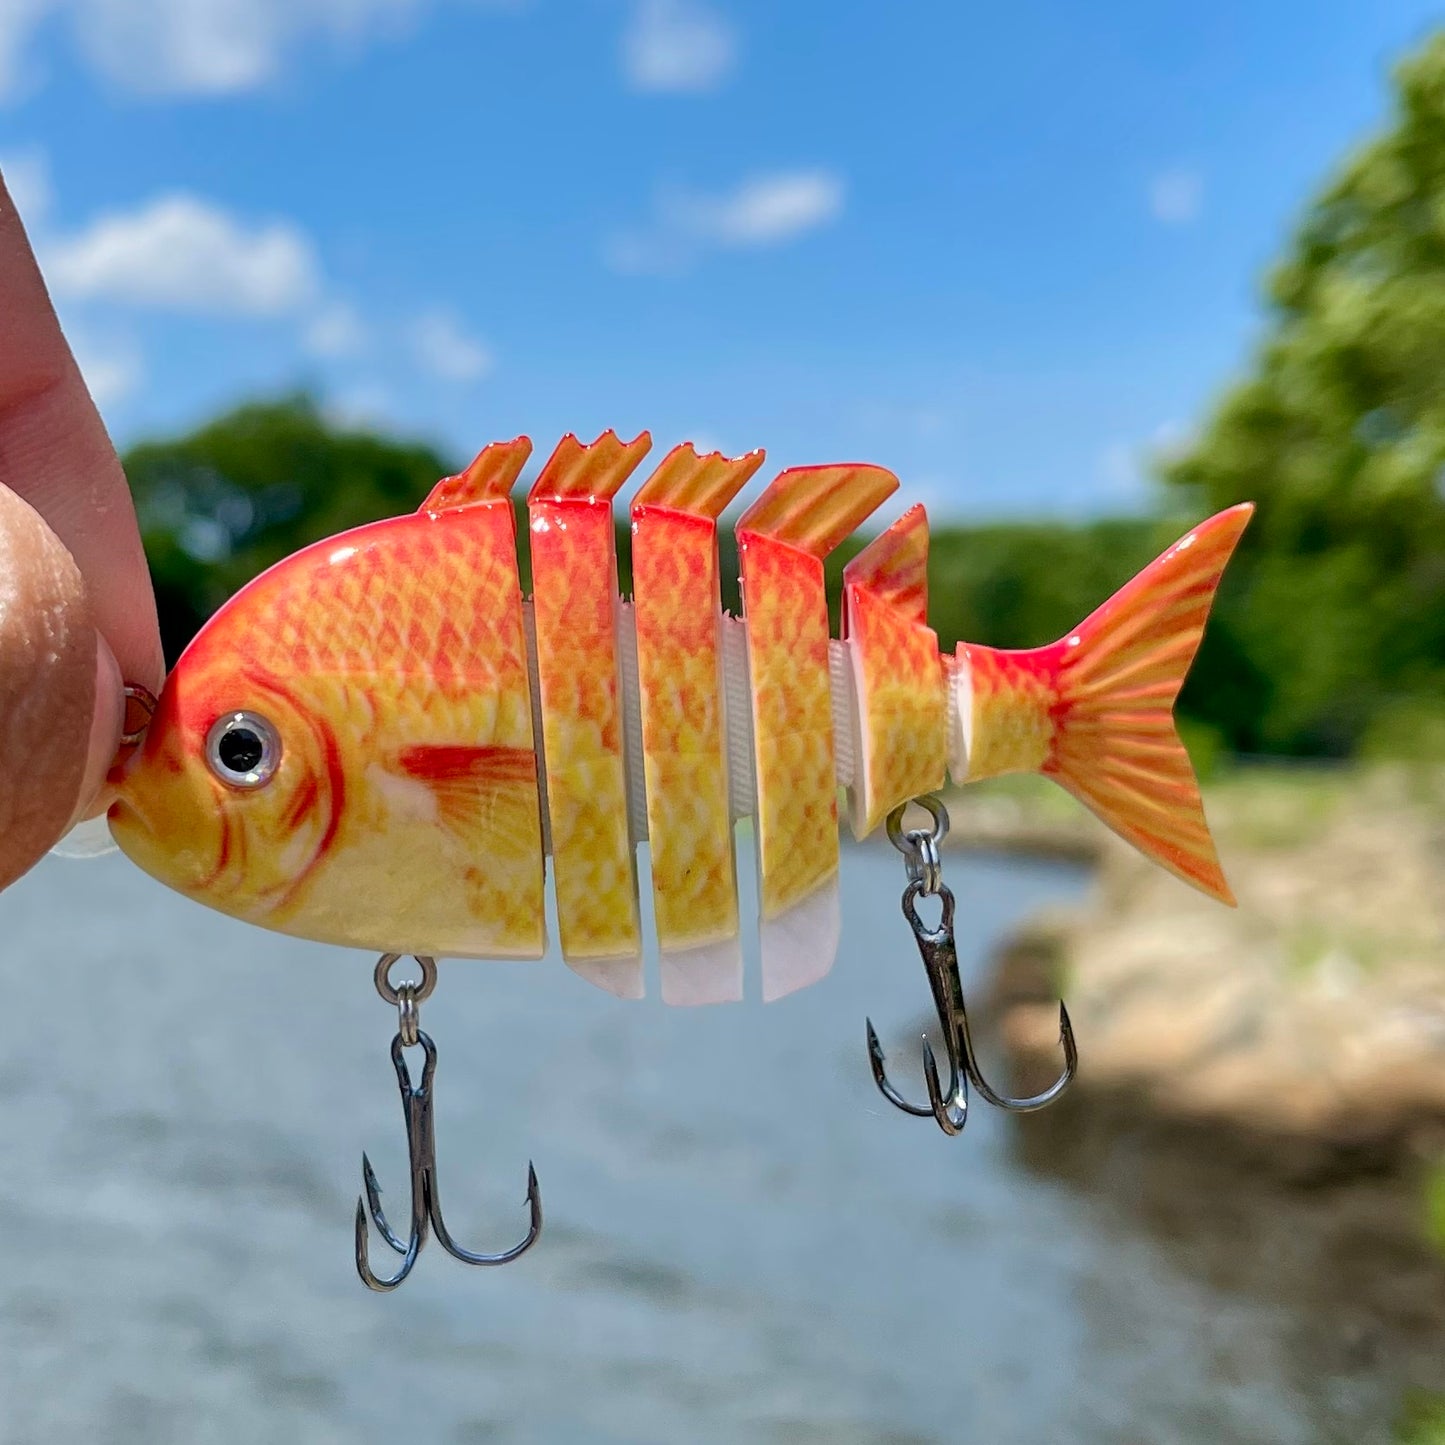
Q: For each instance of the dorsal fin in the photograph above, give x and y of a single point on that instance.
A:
(491, 475)
(595, 469)
(816, 508)
(698, 485)
(894, 566)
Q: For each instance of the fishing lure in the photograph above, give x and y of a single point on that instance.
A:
(379, 742)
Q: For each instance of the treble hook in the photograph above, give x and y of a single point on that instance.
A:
(949, 1108)
(417, 1102)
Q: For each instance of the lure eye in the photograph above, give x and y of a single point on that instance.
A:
(243, 749)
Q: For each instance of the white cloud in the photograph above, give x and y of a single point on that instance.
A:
(182, 253)
(443, 347)
(368, 406)
(1171, 441)
(764, 210)
(1119, 469)
(205, 47)
(1176, 197)
(677, 45)
(185, 254)
(943, 494)
(645, 253)
(111, 371)
(335, 332)
(1126, 469)
(18, 19)
(27, 178)
(193, 47)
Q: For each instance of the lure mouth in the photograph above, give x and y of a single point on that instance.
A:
(133, 835)
(152, 817)
(188, 859)
(126, 821)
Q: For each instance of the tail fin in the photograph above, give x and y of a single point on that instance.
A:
(1109, 690)
(1116, 748)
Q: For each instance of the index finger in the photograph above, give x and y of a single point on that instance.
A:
(54, 452)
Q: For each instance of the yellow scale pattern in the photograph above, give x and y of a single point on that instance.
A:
(782, 540)
(574, 574)
(1012, 728)
(679, 666)
(899, 679)
(420, 642)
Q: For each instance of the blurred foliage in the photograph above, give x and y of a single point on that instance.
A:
(1329, 634)
(1422, 1421)
(1335, 610)
(223, 503)
(1435, 1206)
(1406, 730)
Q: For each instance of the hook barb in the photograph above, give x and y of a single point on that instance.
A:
(373, 1205)
(1035, 1101)
(949, 1109)
(533, 1201)
(370, 1279)
(878, 1062)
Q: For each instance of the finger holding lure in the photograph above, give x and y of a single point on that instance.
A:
(379, 742)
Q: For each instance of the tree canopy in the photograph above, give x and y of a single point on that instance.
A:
(226, 501)
(1334, 615)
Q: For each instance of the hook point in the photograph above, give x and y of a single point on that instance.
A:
(875, 1052)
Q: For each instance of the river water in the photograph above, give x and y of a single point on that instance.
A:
(743, 1242)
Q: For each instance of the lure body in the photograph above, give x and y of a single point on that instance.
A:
(437, 737)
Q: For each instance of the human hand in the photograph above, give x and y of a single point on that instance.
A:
(77, 614)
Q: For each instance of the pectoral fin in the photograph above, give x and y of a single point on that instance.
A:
(480, 791)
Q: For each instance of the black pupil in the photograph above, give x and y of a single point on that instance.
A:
(241, 749)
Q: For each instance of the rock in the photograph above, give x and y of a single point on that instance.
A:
(1309, 1023)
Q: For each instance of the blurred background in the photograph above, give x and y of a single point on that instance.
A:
(1081, 276)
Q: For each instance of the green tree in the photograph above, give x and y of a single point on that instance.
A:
(1336, 608)
(223, 503)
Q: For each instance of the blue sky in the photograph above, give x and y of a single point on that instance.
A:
(1005, 250)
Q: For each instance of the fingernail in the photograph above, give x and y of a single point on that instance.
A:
(105, 728)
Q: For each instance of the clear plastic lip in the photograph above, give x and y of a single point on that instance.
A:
(88, 839)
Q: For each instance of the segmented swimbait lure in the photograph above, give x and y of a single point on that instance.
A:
(379, 742)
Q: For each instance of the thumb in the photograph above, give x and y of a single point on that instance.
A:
(60, 691)
(106, 721)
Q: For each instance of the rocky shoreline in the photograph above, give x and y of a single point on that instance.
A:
(1261, 1091)
(1307, 1027)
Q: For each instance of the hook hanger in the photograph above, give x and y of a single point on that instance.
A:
(417, 1103)
(949, 1107)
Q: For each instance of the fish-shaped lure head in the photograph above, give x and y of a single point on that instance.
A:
(345, 750)
(235, 792)
(377, 743)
